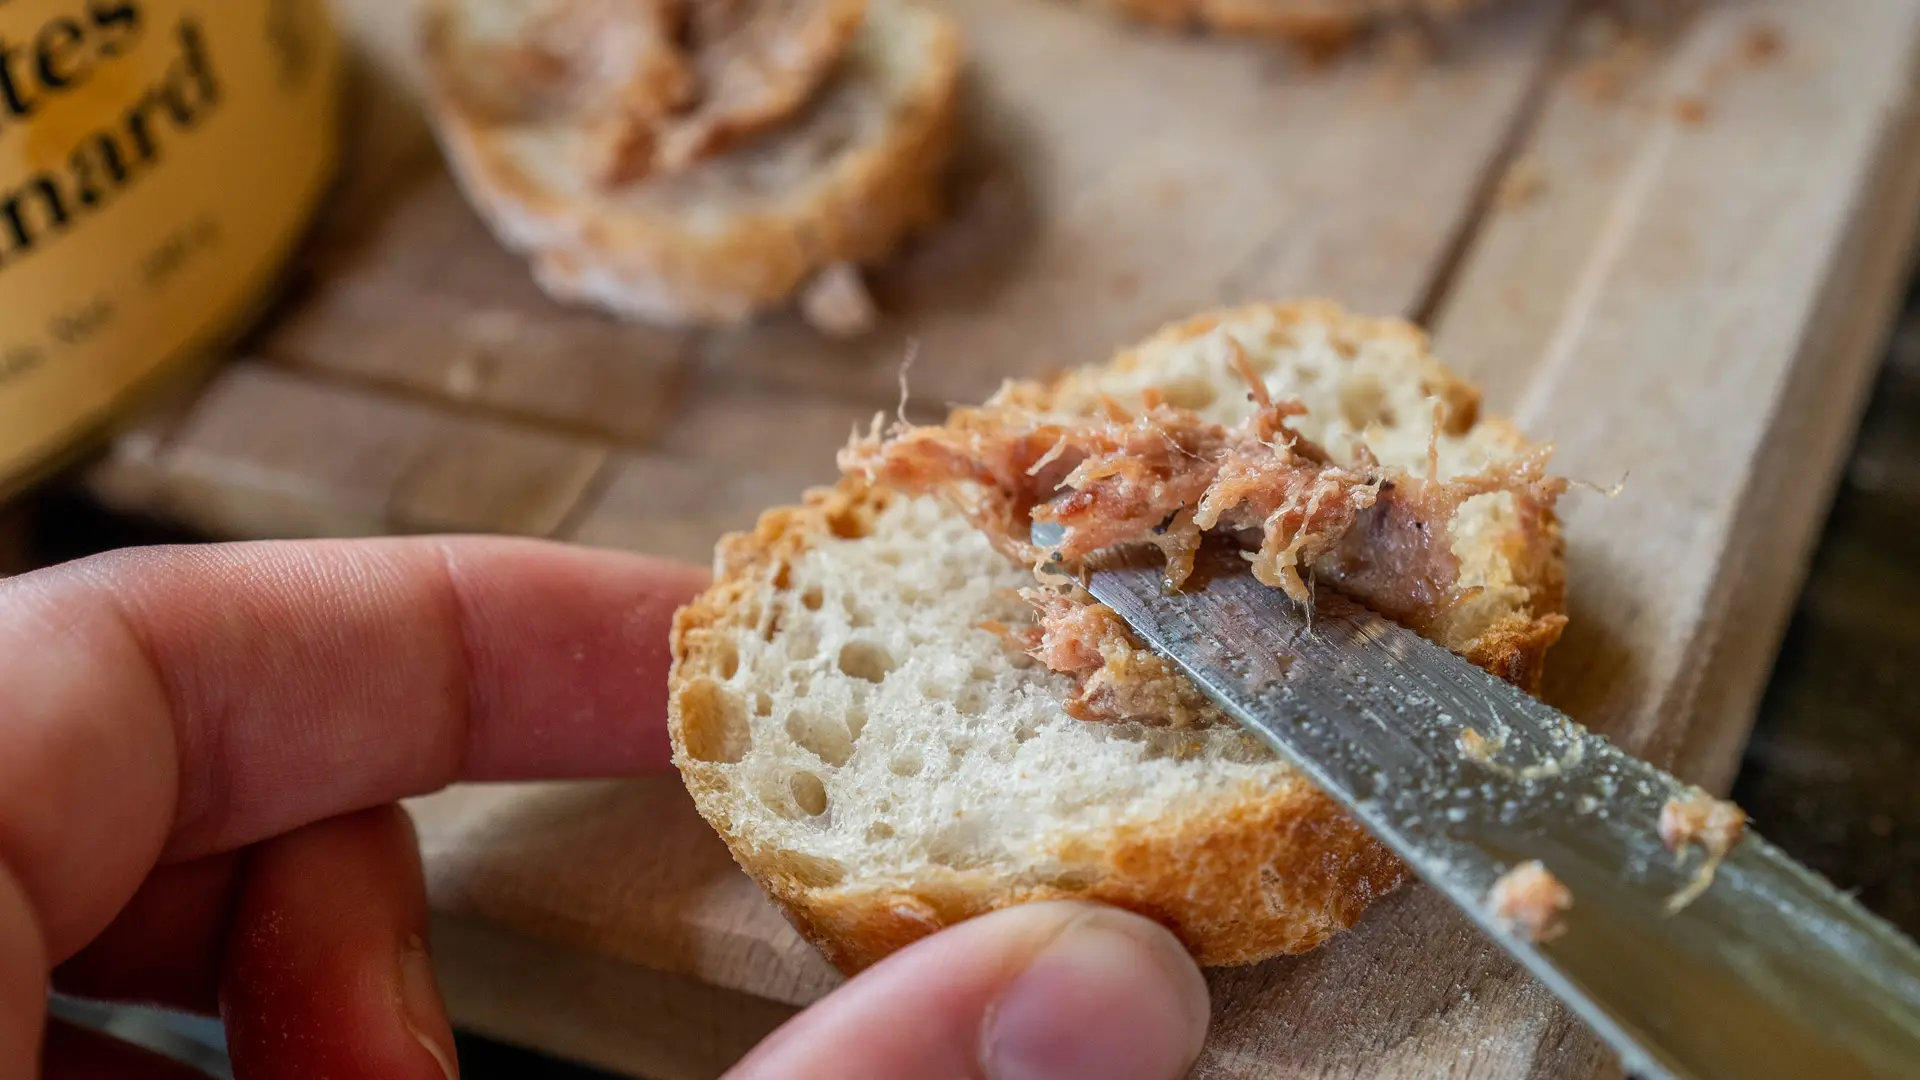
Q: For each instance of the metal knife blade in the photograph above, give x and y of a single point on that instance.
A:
(1770, 973)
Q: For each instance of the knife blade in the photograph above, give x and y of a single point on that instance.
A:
(1769, 973)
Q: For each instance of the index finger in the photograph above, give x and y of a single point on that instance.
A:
(170, 702)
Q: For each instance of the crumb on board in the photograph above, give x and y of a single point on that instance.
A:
(1697, 819)
(1522, 182)
(1762, 42)
(837, 303)
(1530, 901)
(1615, 56)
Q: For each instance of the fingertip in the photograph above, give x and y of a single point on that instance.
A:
(1112, 995)
(326, 971)
(1036, 992)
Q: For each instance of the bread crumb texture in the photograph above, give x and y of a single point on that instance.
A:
(857, 707)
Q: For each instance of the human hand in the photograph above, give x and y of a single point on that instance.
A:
(200, 753)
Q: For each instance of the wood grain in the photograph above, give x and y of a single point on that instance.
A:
(1691, 296)
(1736, 333)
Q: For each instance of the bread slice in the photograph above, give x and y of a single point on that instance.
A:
(842, 181)
(855, 709)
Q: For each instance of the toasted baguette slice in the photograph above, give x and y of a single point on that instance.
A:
(843, 181)
(851, 713)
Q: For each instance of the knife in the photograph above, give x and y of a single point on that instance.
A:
(1770, 972)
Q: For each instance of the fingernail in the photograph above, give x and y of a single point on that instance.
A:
(1113, 995)
(421, 1009)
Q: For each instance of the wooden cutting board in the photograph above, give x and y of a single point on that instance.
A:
(1676, 260)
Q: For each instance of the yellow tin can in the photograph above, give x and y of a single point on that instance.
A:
(159, 160)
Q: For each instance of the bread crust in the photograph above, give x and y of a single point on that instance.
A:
(1263, 869)
(1316, 867)
(676, 265)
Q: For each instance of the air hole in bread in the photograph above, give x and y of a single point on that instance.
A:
(971, 701)
(727, 655)
(878, 831)
(865, 660)
(906, 763)
(857, 613)
(713, 723)
(1363, 401)
(802, 643)
(809, 793)
(848, 523)
(762, 705)
(856, 721)
(783, 577)
(812, 598)
(825, 737)
(887, 557)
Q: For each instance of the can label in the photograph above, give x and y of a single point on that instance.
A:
(158, 161)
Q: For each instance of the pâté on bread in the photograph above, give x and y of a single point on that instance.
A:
(697, 163)
(896, 725)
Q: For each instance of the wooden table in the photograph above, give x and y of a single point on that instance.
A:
(1677, 262)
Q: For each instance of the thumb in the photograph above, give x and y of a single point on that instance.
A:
(1051, 991)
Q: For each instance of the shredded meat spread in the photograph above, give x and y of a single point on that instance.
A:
(661, 84)
(1165, 475)
(1700, 820)
(1119, 677)
(1160, 474)
(1531, 900)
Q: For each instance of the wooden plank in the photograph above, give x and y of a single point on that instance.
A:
(676, 508)
(265, 453)
(428, 304)
(1724, 320)
(1168, 175)
(593, 1009)
(620, 870)
(1711, 339)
